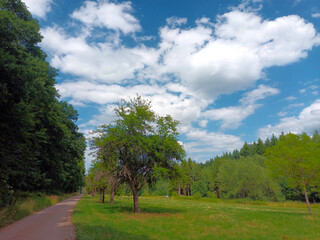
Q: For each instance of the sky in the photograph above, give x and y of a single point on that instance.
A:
(229, 71)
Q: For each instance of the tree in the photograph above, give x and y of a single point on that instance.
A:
(40, 146)
(297, 158)
(141, 142)
(245, 150)
(246, 178)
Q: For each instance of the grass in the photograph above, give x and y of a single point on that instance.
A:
(27, 204)
(179, 218)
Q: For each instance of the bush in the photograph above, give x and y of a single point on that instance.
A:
(211, 195)
(174, 194)
(197, 196)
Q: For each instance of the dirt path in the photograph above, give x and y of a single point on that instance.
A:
(52, 223)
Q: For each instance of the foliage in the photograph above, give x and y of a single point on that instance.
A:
(244, 178)
(40, 146)
(25, 203)
(138, 144)
(296, 157)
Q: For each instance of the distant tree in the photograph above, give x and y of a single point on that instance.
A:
(142, 142)
(236, 154)
(246, 178)
(260, 147)
(199, 186)
(245, 150)
(273, 140)
(297, 158)
(316, 137)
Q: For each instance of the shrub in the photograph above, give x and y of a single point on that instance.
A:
(197, 196)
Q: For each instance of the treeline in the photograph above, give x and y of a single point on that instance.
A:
(245, 173)
(242, 174)
(40, 146)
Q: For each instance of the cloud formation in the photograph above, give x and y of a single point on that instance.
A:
(232, 117)
(307, 121)
(115, 16)
(185, 71)
(39, 8)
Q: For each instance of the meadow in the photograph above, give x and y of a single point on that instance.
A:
(186, 218)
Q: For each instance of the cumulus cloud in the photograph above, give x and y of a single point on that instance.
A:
(207, 143)
(208, 60)
(39, 8)
(307, 121)
(99, 62)
(232, 117)
(116, 16)
(231, 55)
(180, 106)
(185, 72)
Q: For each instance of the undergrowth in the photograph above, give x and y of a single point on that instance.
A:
(26, 203)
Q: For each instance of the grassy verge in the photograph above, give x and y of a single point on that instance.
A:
(188, 219)
(27, 204)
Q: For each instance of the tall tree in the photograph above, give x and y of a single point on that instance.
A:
(143, 142)
(297, 158)
(40, 146)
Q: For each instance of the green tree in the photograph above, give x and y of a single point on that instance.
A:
(246, 178)
(295, 157)
(316, 137)
(40, 146)
(143, 142)
(245, 150)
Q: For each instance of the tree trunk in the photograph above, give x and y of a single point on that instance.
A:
(103, 196)
(179, 189)
(112, 196)
(307, 199)
(136, 200)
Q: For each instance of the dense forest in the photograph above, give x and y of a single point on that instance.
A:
(41, 148)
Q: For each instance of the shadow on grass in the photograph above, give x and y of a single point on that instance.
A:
(144, 209)
(89, 232)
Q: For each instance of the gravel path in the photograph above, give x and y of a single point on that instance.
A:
(52, 223)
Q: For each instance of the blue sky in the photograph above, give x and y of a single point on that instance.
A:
(229, 71)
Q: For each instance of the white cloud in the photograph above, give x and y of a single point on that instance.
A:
(232, 117)
(307, 121)
(291, 98)
(294, 105)
(282, 114)
(232, 55)
(175, 21)
(188, 69)
(182, 107)
(315, 15)
(99, 62)
(39, 8)
(109, 15)
(207, 143)
(207, 60)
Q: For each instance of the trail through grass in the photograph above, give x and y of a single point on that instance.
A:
(26, 205)
(187, 219)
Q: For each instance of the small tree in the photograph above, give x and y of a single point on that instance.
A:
(139, 141)
(297, 158)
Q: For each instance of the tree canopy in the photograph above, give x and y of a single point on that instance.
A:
(40, 146)
(296, 157)
(138, 143)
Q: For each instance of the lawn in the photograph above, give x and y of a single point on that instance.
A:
(163, 218)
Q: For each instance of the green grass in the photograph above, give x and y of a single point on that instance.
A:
(27, 204)
(180, 218)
